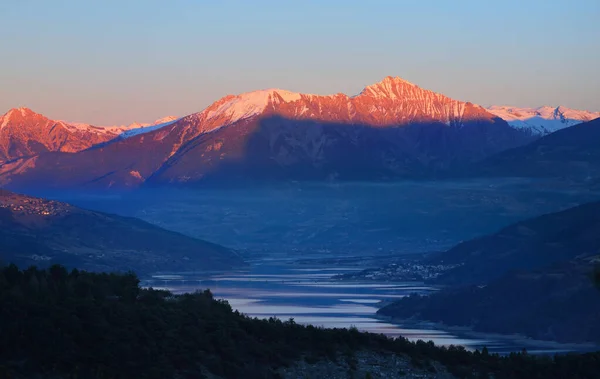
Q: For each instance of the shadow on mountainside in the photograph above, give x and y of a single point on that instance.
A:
(277, 148)
(572, 153)
(266, 149)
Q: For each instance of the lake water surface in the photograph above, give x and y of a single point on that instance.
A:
(309, 295)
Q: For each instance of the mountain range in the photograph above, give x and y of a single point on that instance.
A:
(41, 232)
(542, 120)
(24, 133)
(392, 129)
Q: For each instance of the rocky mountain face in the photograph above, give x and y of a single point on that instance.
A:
(542, 120)
(41, 232)
(392, 129)
(24, 134)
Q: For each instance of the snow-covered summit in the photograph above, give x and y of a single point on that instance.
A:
(542, 120)
(234, 108)
(390, 87)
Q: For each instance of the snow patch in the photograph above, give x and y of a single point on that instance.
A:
(5, 119)
(9, 115)
(145, 129)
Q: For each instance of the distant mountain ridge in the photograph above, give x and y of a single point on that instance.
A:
(542, 120)
(392, 129)
(25, 133)
(127, 130)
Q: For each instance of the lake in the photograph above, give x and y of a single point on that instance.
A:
(307, 293)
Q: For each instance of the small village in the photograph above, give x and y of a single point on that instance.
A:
(398, 272)
(34, 206)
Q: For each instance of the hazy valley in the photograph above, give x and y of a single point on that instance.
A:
(307, 253)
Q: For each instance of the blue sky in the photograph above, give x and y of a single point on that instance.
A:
(115, 62)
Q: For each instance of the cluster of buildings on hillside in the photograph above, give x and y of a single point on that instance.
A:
(398, 272)
(32, 206)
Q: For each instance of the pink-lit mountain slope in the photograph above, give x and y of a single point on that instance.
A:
(392, 129)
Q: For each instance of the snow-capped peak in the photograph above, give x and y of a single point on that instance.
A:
(542, 120)
(390, 87)
(234, 108)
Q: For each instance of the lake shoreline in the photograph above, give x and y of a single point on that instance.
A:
(468, 332)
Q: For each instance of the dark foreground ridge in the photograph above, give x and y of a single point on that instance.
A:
(60, 324)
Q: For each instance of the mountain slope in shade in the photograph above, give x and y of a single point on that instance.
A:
(533, 278)
(40, 232)
(557, 303)
(572, 153)
(531, 244)
(392, 129)
(542, 120)
(24, 133)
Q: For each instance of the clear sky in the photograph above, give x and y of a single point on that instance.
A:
(118, 61)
